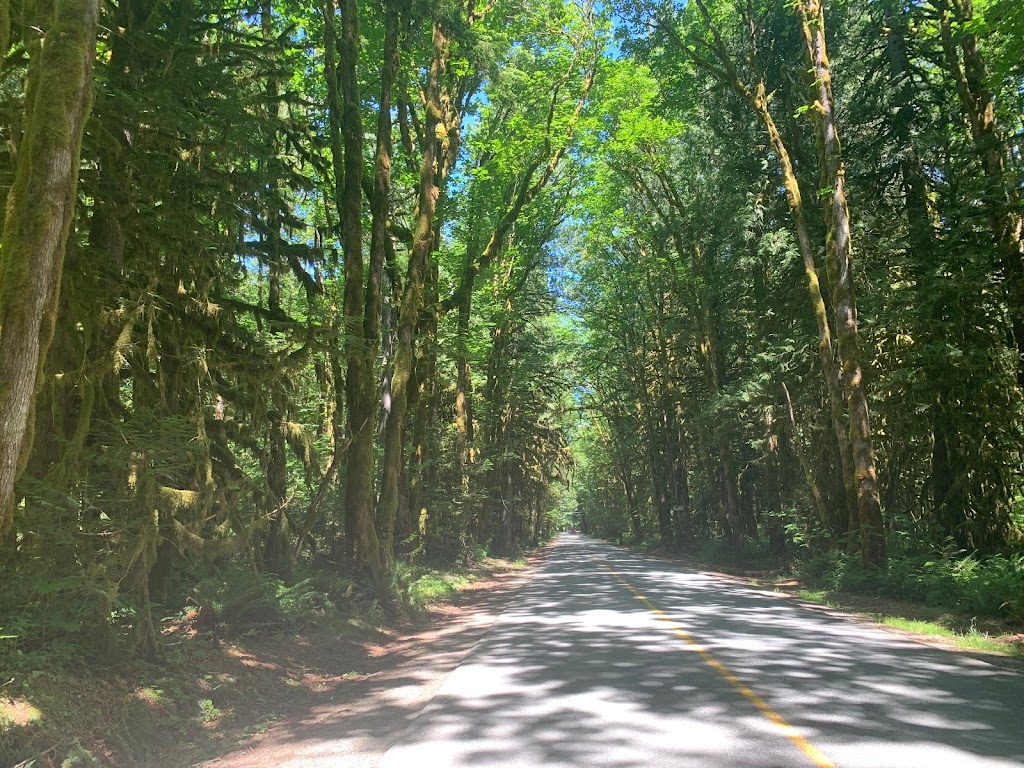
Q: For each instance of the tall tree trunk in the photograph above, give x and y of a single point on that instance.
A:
(805, 464)
(423, 401)
(379, 239)
(636, 525)
(947, 464)
(5, 25)
(659, 482)
(711, 359)
(681, 491)
(826, 349)
(840, 271)
(436, 134)
(670, 432)
(345, 109)
(276, 553)
(463, 393)
(40, 208)
(276, 546)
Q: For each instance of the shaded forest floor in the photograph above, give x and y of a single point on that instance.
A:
(208, 697)
(994, 639)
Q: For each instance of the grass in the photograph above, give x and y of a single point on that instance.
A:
(429, 586)
(436, 586)
(814, 595)
(971, 640)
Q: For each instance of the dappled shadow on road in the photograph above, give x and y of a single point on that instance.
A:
(580, 672)
(874, 698)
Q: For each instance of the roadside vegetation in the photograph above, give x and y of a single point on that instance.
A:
(799, 294)
(280, 353)
(992, 587)
(968, 602)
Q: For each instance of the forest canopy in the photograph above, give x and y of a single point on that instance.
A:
(291, 288)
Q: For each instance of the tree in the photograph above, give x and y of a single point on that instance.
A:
(40, 209)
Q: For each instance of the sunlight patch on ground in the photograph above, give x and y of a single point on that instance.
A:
(17, 713)
(151, 696)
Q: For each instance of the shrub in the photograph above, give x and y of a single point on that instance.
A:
(240, 597)
(992, 586)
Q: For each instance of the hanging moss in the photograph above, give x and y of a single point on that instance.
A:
(174, 500)
(213, 548)
(302, 447)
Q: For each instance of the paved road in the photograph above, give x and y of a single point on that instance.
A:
(608, 659)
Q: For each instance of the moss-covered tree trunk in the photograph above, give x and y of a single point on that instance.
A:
(379, 242)
(681, 514)
(826, 348)
(423, 401)
(666, 407)
(40, 208)
(436, 134)
(5, 25)
(347, 149)
(839, 261)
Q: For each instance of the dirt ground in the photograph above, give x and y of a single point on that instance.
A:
(330, 693)
(358, 698)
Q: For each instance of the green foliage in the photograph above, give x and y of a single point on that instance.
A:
(208, 711)
(48, 615)
(707, 422)
(240, 598)
(192, 417)
(989, 587)
(434, 586)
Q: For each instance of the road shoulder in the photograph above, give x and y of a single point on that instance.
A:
(354, 718)
(876, 612)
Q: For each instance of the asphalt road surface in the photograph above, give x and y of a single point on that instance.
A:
(608, 659)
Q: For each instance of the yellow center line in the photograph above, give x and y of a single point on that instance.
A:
(813, 753)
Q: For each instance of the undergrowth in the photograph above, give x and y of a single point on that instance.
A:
(991, 586)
